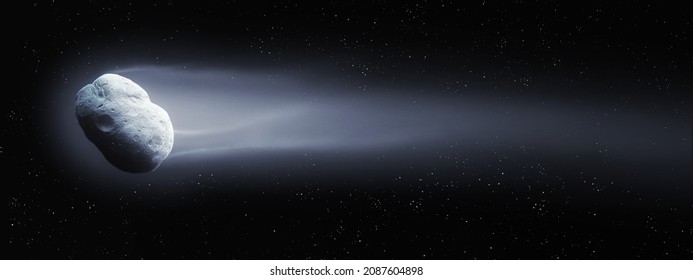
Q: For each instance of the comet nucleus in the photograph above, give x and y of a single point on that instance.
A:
(116, 115)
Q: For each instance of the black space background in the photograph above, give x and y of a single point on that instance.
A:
(638, 51)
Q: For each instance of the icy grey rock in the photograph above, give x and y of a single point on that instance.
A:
(116, 115)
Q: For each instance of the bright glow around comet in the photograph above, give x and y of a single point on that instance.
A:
(219, 113)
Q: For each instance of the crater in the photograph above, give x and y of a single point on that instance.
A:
(105, 123)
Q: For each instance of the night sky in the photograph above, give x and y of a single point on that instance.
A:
(376, 130)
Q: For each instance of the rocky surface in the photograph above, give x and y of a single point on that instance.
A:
(116, 115)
